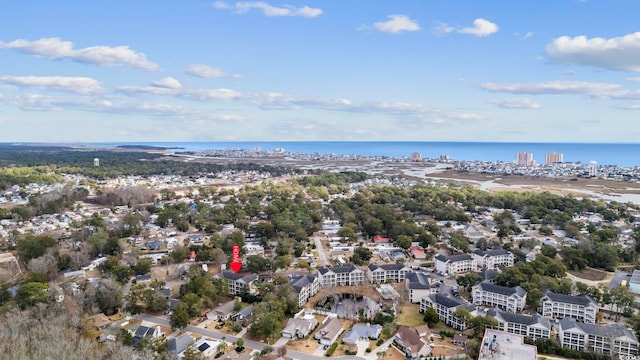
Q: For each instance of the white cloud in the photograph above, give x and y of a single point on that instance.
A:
(269, 10)
(618, 53)
(481, 27)
(193, 94)
(633, 79)
(80, 85)
(514, 103)
(527, 35)
(397, 24)
(551, 87)
(168, 82)
(206, 71)
(442, 28)
(54, 48)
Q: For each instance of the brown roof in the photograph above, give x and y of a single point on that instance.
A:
(411, 338)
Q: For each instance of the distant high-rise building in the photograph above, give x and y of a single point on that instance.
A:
(416, 156)
(552, 158)
(525, 159)
(593, 168)
(444, 157)
(96, 162)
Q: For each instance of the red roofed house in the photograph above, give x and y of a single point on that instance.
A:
(381, 240)
(418, 253)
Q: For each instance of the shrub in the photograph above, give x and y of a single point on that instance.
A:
(331, 350)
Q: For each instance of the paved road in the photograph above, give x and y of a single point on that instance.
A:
(247, 343)
(323, 256)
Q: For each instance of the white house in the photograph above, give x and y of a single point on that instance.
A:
(453, 264)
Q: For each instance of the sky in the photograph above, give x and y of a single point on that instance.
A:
(284, 70)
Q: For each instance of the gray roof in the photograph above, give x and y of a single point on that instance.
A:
(342, 269)
(386, 267)
(362, 331)
(491, 252)
(418, 280)
(614, 330)
(445, 301)
(503, 290)
(299, 282)
(584, 300)
(247, 278)
(520, 318)
(179, 344)
(453, 258)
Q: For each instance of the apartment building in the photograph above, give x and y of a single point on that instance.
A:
(385, 273)
(505, 298)
(534, 326)
(582, 308)
(445, 306)
(306, 286)
(340, 276)
(494, 258)
(418, 286)
(613, 340)
(239, 284)
(454, 264)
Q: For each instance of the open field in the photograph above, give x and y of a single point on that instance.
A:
(591, 274)
(409, 315)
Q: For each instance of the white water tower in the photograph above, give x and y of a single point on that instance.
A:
(96, 162)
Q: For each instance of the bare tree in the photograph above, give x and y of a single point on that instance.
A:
(46, 264)
(108, 295)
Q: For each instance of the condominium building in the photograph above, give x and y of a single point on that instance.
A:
(450, 265)
(306, 286)
(445, 306)
(505, 298)
(534, 326)
(553, 158)
(380, 274)
(418, 286)
(582, 308)
(500, 345)
(524, 159)
(239, 284)
(613, 340)
(340, 276)
(494, 258)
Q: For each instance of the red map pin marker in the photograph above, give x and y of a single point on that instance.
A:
(235, 258)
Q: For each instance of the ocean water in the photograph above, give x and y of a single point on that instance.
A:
(619, 154)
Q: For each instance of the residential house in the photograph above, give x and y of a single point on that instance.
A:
(245, 316)
(144, 331)
(239, 284)
(412, 343)
(207, 348)
(534, 326)
(582, 308)
(340, 276)
(179, 345)
(509, 299)
(362, 332)
(222, 312)
(381, 240)
(299, 327)
(459, 339)
(418, 253)
(418, 286)
(380, 274)
(306, 286)
(331, 329)
(445, 306)
(613, 340)
(454, 264)
(494, 258)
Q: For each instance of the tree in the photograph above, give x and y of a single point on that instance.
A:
(143, 266)
(31, 293)
(533, 297)
(240, 345)
(191, 353)
(404, 241)
(108, 295)
(549, 251)
(361, 255)
(31, 247)
(431, 316)
(179, 317)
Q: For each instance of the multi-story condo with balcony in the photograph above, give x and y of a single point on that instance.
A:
(418, 286)
(534, 326)
(494, 258)
(340, 276)
(306, 286)
(385, 273)
(582, 308)
(238, 284)
(446, 307)
(454, 264)
(505, 298)
(613, 340)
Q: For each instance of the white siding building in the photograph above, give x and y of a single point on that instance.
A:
(582, 308)
(494, 258)
(340, 276)
(508, 299)
(385, 273)
(595, 338)
(451, 265)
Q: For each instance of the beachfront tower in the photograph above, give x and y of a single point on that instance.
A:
(96, 162)
(524, 159)
(553, 158)
(593, 168)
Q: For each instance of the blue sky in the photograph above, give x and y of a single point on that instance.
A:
(415, 70)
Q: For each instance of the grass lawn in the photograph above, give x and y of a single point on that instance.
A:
(410, 315)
